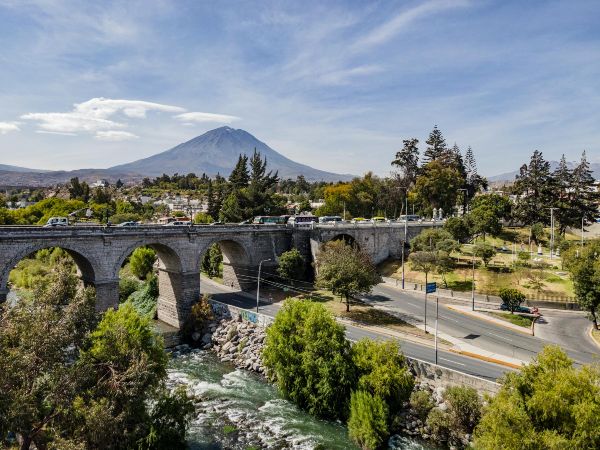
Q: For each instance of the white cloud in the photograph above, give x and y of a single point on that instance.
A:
(7, 127)
(95, 115)
(203, 117)
(55, 132)
(115, 136)
(392, 27)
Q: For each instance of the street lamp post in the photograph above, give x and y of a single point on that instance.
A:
(473, 281)
(437, 304)
(258, 285)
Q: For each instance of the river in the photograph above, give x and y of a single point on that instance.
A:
(241, 411)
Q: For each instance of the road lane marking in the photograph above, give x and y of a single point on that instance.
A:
(453, 362)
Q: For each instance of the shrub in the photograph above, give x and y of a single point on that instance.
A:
(141, 262)
(144, 299)
(512, 298)
(127, 286)
(367, 425)
(439, 424)
(381, 370)
(307, 354)
(421, 403)
(464, 407)
(200, 315)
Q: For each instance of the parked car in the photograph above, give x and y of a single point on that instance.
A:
(177, 223)
(57, 222)
(520, 309)
(129, 224)
(378, 219)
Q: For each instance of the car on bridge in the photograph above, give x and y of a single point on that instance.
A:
(359, 220)
(57, 222)
(129, 224)
(177, 223)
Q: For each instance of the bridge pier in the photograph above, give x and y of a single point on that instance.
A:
(239, 276)
(178, 291)
(107, 294)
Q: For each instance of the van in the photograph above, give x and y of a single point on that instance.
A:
(57, 222)
(329, 219)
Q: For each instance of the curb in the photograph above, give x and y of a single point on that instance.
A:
(488, 359)
(476, 316)
(590, 334)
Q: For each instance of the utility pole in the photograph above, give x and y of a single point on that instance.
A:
(425, 303)
(473, 281)
(258, 285)
(405, 234)
(552, 232)
(437, 304)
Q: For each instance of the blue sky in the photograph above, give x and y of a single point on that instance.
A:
(336, 85)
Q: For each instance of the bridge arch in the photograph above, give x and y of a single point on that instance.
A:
(86, 263)
(178, 284)
(238, 270)
(345, 237)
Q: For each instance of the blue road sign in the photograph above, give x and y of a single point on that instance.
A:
(431, 288)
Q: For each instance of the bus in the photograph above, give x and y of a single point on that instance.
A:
(303, 220)
(270, 220)
(330, 219)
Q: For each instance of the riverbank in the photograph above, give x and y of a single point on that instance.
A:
(239, 343)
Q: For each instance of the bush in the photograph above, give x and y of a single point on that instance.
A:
(367, 425)
(381, 370)
(144, 299)
(307, 354)
(141, 262)
(200, 315)
(464, 407)
(421, 403)
(128, 286)
(439, 424)
(512, 298)
(291, 265)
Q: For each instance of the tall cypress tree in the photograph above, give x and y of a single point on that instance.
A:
(534, 188)
(239, 177)
(436, 146)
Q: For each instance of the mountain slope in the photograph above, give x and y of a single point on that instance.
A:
(217, 151)
(9, 168)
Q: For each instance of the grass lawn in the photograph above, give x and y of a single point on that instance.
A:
(596, 335)
(522, 321)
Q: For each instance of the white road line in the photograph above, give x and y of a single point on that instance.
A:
(453, 362)
(498, 336)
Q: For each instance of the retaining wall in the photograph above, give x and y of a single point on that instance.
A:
(424, 371)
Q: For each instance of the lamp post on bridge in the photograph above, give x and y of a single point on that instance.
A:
(258, 285)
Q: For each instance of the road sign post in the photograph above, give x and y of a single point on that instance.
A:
(429, 289)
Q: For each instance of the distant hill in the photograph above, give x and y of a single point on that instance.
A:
(217, 151)
(510, 176)
(8, 168)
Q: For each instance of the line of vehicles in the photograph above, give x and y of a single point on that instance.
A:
(297, 220)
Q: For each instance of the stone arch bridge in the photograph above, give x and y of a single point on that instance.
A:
(100, 252)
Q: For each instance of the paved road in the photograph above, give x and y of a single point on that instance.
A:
(487, 335)
(460, 363)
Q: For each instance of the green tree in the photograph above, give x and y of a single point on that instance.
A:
(487, 212)
(292, 265)
(534, 189)
(584, 267)
(484, 251)
(212, 262)
(79, 190)
(407, 160)
(423, 261)
(368, 425)
(460, 228)
(345, 270)
(142, 261)
(382, 371)
(429, 239)
(512, 298)
(437, 186)
(436, 146)
(239, 177)
(307, 354)
(547, 404)
(232, 211)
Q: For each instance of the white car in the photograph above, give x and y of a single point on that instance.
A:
(57, 222)
(177, 223)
